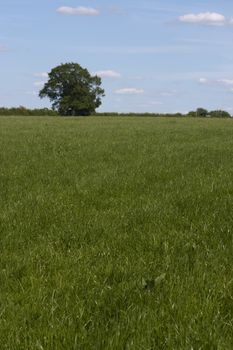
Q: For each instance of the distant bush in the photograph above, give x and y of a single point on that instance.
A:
(23, 111)
(191, 114)
(219, 114)
(203, 113)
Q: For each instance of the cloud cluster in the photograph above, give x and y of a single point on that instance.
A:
(207, 18)
(78, 11)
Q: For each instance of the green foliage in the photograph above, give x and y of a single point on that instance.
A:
(201, 113)
(219, 114)
(23, 111)
(116, 233)
(72, 90)
(146, 114)
(192, 114)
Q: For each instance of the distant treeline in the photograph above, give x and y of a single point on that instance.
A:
(199, 113)
(115, 114)
(23, 111)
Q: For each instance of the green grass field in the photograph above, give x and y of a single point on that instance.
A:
(116, 233)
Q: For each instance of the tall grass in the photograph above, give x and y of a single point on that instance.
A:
(116, 233)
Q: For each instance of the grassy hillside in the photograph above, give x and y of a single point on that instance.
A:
(116, 233)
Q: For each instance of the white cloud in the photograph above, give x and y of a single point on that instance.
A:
(39, 83)
(129, 91)
(108, 74)
(78, 11)
(41, 75)
(209, 18)
(226, 81)
(203, 81)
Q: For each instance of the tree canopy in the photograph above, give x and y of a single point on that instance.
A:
(73, 90)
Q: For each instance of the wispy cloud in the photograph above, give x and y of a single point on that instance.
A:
(129, 91)
(203, 81)
(43, 75)
(38, 83)
(207, 18)
(31, 93)
(155, 103)
(3, 49)
(117, 10)
(228, 82)
(108, 74)
(135, 50)
(78, 11)
(167, 93)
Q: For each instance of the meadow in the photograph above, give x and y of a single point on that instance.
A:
(116, 233)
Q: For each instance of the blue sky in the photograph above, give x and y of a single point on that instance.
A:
(152, 55)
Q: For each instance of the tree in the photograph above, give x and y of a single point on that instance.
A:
(72, 90)
(220, 114)
(191, 114)
(201, 113)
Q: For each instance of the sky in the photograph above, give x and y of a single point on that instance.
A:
(152, 55)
